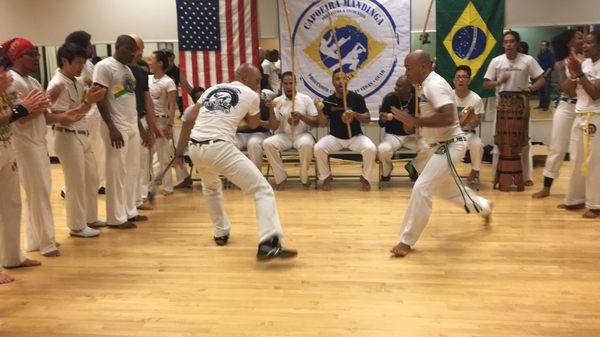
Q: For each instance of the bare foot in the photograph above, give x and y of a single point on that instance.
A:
(167, 193)
(544, 192)
(145, 206)
(187, 182)
(280, 186)
(571, 207)
(54, 253)
(4, 279)
(591, 214)
(366, 186)
(306, 186)
(27, 263)
(528, 183)
(326, 186)
(473, 176)
(487, 218)
(400, 250)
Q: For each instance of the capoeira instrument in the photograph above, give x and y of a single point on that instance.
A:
(512, 134)
(293, 51)
(341, 63)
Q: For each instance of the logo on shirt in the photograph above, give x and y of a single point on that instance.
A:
(591, 129)
(367, 40)
(127, 86)
(221, 100)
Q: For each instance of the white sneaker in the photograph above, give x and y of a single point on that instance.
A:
(87, 232)
(97, 224)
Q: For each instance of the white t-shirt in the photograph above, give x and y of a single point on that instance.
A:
(520, 70)
(283, 111)
(269, 68)
(159, 90)
(88, 71)
(119, 80)
(435, 94)
(471, 100)
(32, 131)
(222, 107)
(70, 97)
(585, 103)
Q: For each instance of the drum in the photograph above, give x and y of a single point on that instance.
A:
(512, 134)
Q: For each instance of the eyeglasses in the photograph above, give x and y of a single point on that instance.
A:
(463, 77)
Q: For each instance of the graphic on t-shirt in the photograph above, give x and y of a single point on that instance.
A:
(591, 130)
(221, 100)
(127, 86)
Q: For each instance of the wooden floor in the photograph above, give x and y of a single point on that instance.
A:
(534, 272)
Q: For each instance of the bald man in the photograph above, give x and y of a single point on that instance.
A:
(120, 133)
(440, 128)
(214, 120)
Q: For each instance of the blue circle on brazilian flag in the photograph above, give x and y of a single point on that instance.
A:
(469, 42)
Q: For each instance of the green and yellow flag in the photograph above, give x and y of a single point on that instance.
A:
(469, 32)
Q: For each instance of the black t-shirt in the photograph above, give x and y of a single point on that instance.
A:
(174, 74)
(264, 115)
(141, 87)
(394, 126)
(334, 108)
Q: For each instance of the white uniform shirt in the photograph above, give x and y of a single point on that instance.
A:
(222, 107)
(471, 100)
(159, 91)
(88, 71)
(437, 93)
(32, 131)
(119, 80)
(269, 68)
(585, 103)
(283, 111)
(70, 97)
(520, 70)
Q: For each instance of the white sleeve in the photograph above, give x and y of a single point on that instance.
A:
(186, 113)
(479, 108)
(534, 68)
(311, 109)
(254, 108)
(102, 75)
(171, 85)
(490, 73)
(440, 95)
(62, 102)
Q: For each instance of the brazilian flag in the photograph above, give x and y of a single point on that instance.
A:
(469, 32)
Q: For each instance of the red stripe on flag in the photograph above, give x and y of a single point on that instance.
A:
(194, 56)
(207, 69)
(230, 52)
(254, 23)
(218, 67)
(182, 66)
(242, 31)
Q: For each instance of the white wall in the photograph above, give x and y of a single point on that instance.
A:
(46, 22)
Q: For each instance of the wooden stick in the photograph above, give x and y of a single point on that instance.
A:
(426, 22)
(292, 49)
(417, 88)
(341, 62)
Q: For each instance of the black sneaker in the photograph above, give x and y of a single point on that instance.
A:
(101, 190)
(272, 248)
(412, 172)
(386, 178)
(221, 240)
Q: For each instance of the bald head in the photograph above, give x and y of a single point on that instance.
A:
(403, 88)
(418, 66)
(249, 75)
(140, 47)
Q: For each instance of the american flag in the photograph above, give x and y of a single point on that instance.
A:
(215, 36)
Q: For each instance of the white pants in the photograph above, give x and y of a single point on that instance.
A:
(122, 170)
(585, 189)
(81, 178)
(145, 176)
(436, 177)
(562, 123)
(392, 143)
(253, 143)
(475, 146)
(224, 158)
(35, 176)
(165, 151)
(526, 161)
(303, 142)
(359, 143)
(95, 125)
(10, 209)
